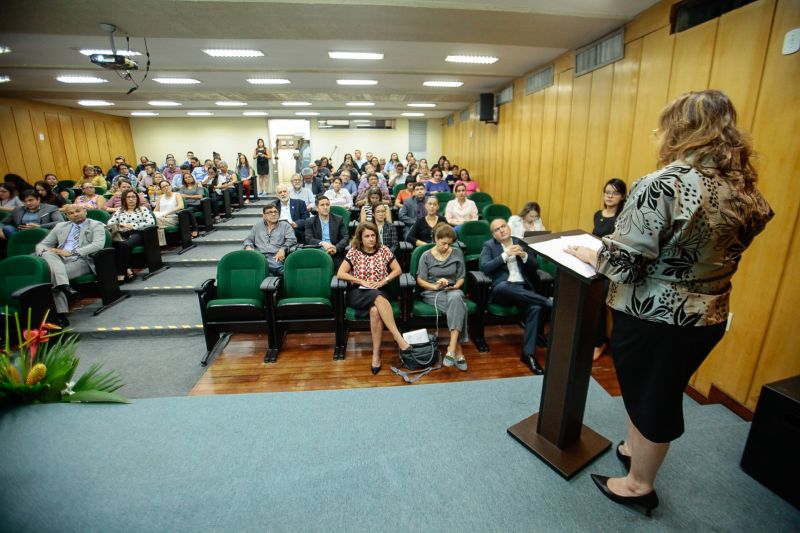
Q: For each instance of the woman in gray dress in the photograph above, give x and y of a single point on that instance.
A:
(441, 274)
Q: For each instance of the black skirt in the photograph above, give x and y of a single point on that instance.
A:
(262, 166)
(362, 299)
(654, 363)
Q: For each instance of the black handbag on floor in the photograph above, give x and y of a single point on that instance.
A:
(421, 358)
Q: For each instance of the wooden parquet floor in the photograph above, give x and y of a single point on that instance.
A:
(306, 363)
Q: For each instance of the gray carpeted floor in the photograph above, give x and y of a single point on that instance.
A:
(420, 458)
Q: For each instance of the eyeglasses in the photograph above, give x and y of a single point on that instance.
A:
(612, 193)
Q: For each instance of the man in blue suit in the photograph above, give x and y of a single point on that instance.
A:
(292, 211)
(513, 267)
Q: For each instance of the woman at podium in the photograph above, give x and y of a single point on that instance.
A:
(674, 249)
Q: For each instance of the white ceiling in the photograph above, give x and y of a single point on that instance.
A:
(414, 36)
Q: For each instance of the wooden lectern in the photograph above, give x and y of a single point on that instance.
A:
(556, 433)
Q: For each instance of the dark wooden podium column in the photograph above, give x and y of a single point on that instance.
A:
(557, 433)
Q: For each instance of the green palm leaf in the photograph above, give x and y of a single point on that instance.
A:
(95, 396)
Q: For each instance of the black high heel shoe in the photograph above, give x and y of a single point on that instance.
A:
(647, 501)
(375, 369)
(624, 459)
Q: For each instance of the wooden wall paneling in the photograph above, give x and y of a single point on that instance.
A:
(749, 346)
(91, 142)
(623, 107)
(737, 69)
(502, 176)
(70, 146)
(648, 21)
(596, 144)
(123, 138)
(27, 142)
(106, 155)
(555, 204)
(3, 164)
(576, 151)
(492, 158)
(43, 148)
(57, 145)
(79, 130)
(654, 72)
(15, 162)
(535, 121)
(524, 174)
(520, 136)
(547, 152)
(691, 59)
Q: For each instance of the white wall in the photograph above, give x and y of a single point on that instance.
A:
(155, 137)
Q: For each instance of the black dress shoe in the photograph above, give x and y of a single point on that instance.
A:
(531, 362)
(71, 294)
(375, 369)
(624, 459)
(647, 501)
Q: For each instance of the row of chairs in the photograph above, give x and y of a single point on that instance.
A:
(309, 297)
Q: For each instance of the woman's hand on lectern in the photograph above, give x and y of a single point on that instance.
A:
(587, 255)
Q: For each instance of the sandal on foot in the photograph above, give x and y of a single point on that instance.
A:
(461, 363)
(449, 360)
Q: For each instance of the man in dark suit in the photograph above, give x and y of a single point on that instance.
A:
(67, 249)
(414, 207)
(327, 231)
(312, 182)
(33, 214)
(513, 267)
(292, 211)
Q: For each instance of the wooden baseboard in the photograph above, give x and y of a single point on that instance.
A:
(717, 396)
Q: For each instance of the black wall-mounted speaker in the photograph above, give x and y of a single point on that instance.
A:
(486, 107)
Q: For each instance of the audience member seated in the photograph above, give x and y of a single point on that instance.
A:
(348, 160)
(89, 199)
(177, 179)
(414, 208)
(125, 173)
(512, 265)
(32, 214)
(171, 171)
(405, 194)
(392, 163)
(436, 183)
(47, 196)
(124, 226)
(327, 231)
(114, 203)
(312, 182)
(529, 219)
(230, 180)
(338, 195)
(272, 237)
(211, 181)
(167, 206)
(386, 231)
(398, 176)
(67, 250)
(298, 192)
(200, 172)
(422, 230)
(374, 197)
(143, 160)
(472, 185)
(147, 176)
(192, 194)
(8, 197)
(244, 173)
(114, 170)
(441, 275)
(372, 182)
(348, 183)
(292, 211)
(370, 266)
(325, 166)
(57, 188)
(460, 209)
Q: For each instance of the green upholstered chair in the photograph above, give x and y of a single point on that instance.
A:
(493, 211)
(359, 321)
(4, 215)
(397, 188)
(24, 242)
(443, 198)
(24, 287)
(419, 314)
(235, 300)
(303, 299)
(100, 190)
(481, 200)
(342, 212)
(472, 234)
(99, 215)
(66, 184)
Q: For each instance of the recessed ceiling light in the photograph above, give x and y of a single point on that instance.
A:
(144, 114)
(164, 103)
(362, 122)
(94, 103)
(5, 50)
(413, 114)
(306, 113)
(421, 105)
(360, 104)
(268, 81)
(357, 82)
(230, 103)
(199, 113)
(295, 104)
(4, 79)
(443, 83)
(234, 53)
(355, 55)
(81, 79)
(360, 114)
(255, 113)
(176, 81)
(482, 60)
(106, 51)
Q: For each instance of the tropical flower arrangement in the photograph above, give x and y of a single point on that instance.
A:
(40, 369)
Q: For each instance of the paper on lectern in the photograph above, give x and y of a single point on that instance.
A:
(554, 249)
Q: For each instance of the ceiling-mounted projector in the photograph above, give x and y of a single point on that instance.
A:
(113, 62)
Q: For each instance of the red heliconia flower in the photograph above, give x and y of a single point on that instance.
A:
(33, 337)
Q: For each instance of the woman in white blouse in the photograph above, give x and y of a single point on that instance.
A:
(338, 195)
(527, 220)
(126, 222)
(460, 209)
(167, 206)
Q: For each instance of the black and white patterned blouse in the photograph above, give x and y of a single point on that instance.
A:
(677, 243)
(140, 218)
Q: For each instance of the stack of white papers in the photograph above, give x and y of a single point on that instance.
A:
(554, 249)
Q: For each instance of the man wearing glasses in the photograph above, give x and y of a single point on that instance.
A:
(272, 237)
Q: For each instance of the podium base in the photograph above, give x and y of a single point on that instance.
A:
(568, 461)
